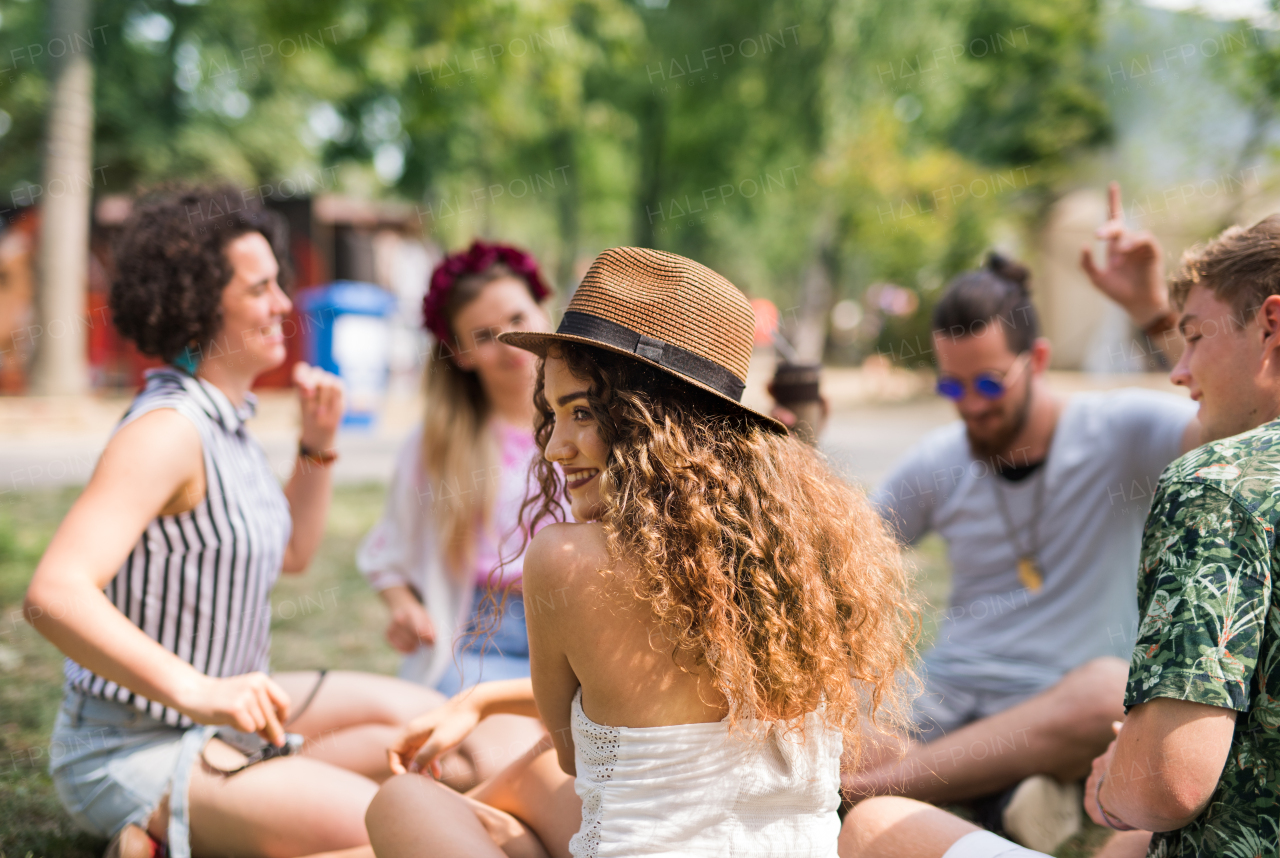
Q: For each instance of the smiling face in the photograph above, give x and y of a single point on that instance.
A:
(575, 443)
(502, 305)
(253, 307)
(1229, 368)
(991, 424)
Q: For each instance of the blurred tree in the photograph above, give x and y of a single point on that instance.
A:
(504, 137)
(1253, 71)
(1027, 92)
(192, 91)
(60, 367)
(833, 143)
(955, 117)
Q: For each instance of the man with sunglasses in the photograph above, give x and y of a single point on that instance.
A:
(1040, 500)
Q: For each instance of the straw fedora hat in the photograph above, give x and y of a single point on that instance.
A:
(666, 311)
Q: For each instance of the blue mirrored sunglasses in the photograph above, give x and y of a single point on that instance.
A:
(989, 385)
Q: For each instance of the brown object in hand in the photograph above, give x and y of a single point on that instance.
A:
(795, 388)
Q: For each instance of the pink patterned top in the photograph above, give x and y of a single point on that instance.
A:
(504, 535)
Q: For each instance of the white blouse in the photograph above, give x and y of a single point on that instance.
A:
(697, 791)
(405, 548)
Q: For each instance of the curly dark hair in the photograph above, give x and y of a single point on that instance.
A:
(171, 265)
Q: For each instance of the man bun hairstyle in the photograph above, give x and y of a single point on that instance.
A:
(171, 265)
(997, 293)
(1241, 267)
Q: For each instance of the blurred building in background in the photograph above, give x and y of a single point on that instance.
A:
(330, 238)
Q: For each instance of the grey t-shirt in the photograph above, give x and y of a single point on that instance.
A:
(1106, 455)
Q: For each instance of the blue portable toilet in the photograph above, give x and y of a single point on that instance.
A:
(348, 334)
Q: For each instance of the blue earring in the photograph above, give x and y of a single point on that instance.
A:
(188, 360)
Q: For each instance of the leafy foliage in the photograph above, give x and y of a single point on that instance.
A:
(767, 139)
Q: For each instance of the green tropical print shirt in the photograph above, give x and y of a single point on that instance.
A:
(1210, 629)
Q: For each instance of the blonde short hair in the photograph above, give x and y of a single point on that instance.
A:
(1241, 267)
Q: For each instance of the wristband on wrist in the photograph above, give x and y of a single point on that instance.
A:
(319, 457)
(1160, 325)
(1115, 823)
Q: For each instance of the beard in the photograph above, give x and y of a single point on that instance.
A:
(1001, 440)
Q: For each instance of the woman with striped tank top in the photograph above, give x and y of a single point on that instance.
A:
(156, 585)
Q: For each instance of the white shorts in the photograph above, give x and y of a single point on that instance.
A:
(984, 844)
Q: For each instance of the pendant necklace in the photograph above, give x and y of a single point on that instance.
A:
(1029, 572)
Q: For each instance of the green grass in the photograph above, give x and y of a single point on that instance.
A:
(30, 688)
(927, 565)
(326, 617)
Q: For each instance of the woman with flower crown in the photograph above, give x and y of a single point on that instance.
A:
(447, 546)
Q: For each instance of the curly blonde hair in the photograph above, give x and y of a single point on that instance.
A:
(776, 577)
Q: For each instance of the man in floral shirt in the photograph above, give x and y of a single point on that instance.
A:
(1211, 630)
(1198, 758)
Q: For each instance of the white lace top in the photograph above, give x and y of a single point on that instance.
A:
(694, 790)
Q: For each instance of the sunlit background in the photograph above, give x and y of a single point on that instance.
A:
(838, 160)
(841, 159)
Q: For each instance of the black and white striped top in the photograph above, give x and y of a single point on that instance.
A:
(199, 582)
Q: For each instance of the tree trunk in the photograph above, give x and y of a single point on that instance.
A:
(59, 366)
(564, 149)
(653, 139)
(808, 324)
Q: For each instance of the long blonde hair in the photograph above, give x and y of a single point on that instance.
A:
(459, 454)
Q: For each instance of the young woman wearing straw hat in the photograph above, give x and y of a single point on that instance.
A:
(693, 639)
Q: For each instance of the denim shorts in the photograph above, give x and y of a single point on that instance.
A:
(481, 658)
(112, 764)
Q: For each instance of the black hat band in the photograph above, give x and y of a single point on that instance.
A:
(666, 355)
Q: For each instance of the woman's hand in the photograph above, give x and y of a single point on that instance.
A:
(410, 627)
(432, 734)
(321, 396)
(251, 702)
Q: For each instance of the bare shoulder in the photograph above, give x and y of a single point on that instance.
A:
(563, 562)
(147, 469)
(162, 442)
(154, 463)
(562, 552)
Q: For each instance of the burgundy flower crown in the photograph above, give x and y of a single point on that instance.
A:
(475, 259)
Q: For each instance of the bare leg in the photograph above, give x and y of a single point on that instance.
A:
(1057, 733)
(313, 805)
(282, 808)
(495, 743)
(537, 791)
(892, 827)
(413, 815)
(355, 717)
(298, 806)
(528, 810)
